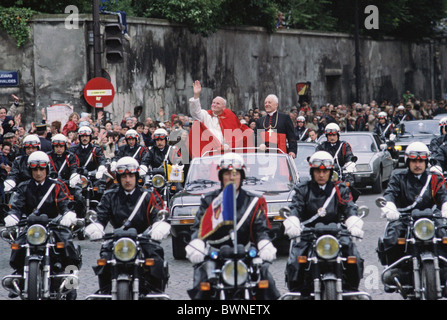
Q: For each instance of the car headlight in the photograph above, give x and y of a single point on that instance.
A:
(274, 207)
(363, 167)
(36, 234)
(398, 148)
(125, 249)
(228, 273)
(327, 247)
(158, 181)
(424, 229)
(185, 211)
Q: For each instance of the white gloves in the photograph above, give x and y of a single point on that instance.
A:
(113, 166)
(11, 220)
(444, 210)
(390, 211)
(292, 227)
(160, 230)
(355, 225)
(195, 251)
(9, 185)
(267, 251)
(94, 231)
(68, 219)
(75, 178)
(100, 173)
(392, 137)
(350, 167)
(143, 170)
(435, 169)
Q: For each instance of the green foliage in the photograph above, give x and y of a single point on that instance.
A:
(15, 22)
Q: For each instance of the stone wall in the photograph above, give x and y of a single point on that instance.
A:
(244, 65)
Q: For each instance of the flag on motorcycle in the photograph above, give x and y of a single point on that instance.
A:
(218, 219)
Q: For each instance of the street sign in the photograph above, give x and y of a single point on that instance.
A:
(9, 78)
(99, 92)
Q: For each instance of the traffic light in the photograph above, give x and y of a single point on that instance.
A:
(113, 42)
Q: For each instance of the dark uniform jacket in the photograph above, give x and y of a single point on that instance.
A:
(127, 151)
(379, 129)
(71, 164)
(19, 170)
(83, 154)
(344, 154)
(309, 197)
(116, 207)
(154, 157)
(28, 196)
(255, 227)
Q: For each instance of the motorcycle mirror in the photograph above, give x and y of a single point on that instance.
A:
(334, 176)
(363, 211)
(284, 212)
(433, 162)
(381, 202)
(53, 175)
(354, 159)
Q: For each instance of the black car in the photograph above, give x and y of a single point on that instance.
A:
(417, 130)
(271, 174)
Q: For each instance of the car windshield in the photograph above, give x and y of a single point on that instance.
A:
(265, 172)
(304, 152)
(420, 127)
(360, 143)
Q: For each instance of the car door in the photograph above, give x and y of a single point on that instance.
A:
(385, 158)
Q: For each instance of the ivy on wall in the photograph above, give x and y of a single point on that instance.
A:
(15, 22)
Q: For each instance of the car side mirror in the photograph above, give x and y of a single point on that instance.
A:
(381, 202)
(363, 211)
(383, 146)
(284, 212)
(354, 159)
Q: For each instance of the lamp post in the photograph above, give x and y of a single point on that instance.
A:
(96, 40)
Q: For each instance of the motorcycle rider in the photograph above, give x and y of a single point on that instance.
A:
(116, 207)
(131, 149)
(438, 141)
(19, 169)
(161, 151)
(382, 125)
(65, 164)
(26, 200)
(311, 197)
(301, 132)
(255, 228)
(91, 157)
(416, 185)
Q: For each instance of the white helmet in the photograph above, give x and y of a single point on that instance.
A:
(59, 139)
(230, 161)
(321, 160)
(38, 159)
(382, 115)
(401, 108)
(31, 140)
(132, 134)
(85, 131)
(301, 119)
(332, 128)
(161, 134)
(417, 150)
(127, 165)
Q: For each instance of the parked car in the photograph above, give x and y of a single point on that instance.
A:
(271, 174)
(416, 130)
(305, 150)
(374, 165)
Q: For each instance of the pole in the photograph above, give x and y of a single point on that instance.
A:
(235, 230)
(357, 53)
(96, 40)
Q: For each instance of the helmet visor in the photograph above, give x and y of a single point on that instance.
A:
(37, 164)
(129, 168)
(415, 155)
(321, 164)
(58, 143)
(31, 145)
(331, 131)
(160, 136)
(230, 164)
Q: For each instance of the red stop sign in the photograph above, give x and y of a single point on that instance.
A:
(99, 92)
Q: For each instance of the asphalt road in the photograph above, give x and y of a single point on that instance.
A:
(181, 270)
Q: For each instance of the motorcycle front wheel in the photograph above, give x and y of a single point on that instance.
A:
(429, 281)
(33, 280)
(123, 290)
(329, 290)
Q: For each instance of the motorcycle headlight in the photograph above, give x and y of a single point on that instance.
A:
(228, 273)
(327, 247)
(84, 182)
(424, 229)
(36, 234)
(158, 181)
(125, 249)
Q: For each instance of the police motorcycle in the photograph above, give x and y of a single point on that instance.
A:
(417, 275)
(42, 277)
(325, 262)
(128, 265)
(346, 175)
